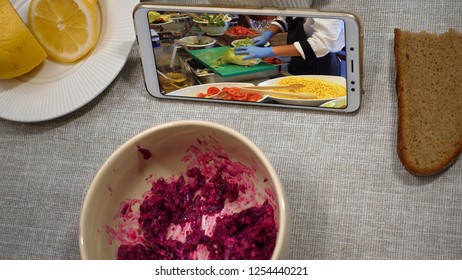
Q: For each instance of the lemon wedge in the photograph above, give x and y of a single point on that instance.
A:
(66, 29)
(19, 51)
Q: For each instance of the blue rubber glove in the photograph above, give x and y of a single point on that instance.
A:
(263, 38)
(253, 52)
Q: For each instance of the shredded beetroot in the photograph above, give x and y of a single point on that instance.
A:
(144, 152)
(248, 234)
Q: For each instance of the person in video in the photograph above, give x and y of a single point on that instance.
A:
(312, 44)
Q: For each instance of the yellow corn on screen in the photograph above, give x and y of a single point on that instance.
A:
(322, 89)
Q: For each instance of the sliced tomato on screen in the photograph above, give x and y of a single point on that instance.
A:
(212, 90)
(235, 91)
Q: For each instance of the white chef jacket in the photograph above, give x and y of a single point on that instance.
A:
(324, 35)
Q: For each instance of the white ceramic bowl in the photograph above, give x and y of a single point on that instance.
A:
(213, 29)
(178, 23)
(162, 152)
(197, 42)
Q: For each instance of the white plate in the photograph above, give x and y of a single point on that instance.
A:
(56, 89)
(306, 102)
(193, 91)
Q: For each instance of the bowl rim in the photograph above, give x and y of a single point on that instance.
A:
(280, 197)
(182, 16)
(228, 19)
(183, 42)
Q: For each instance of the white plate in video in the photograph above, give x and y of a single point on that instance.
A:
(194, 91)
(339, 103)
(306, 102)
(161, 23)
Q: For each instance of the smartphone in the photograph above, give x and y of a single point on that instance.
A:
(188, 53)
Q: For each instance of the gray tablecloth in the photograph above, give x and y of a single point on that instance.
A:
(349, 194)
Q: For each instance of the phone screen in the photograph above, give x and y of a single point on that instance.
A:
(266, 59)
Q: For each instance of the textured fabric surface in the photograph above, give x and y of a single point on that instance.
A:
(349, 195)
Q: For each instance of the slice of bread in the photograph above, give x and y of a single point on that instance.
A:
(429, 86)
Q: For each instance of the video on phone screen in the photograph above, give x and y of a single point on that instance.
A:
(285, 60)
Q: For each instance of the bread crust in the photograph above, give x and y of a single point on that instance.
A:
(414, 158)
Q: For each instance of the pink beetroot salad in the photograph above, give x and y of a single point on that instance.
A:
(211, 211)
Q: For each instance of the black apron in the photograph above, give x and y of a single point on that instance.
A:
(326, 65)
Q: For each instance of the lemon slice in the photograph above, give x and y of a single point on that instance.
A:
(66, 29)
(19, 51)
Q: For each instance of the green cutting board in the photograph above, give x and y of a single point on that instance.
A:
(209, 56)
